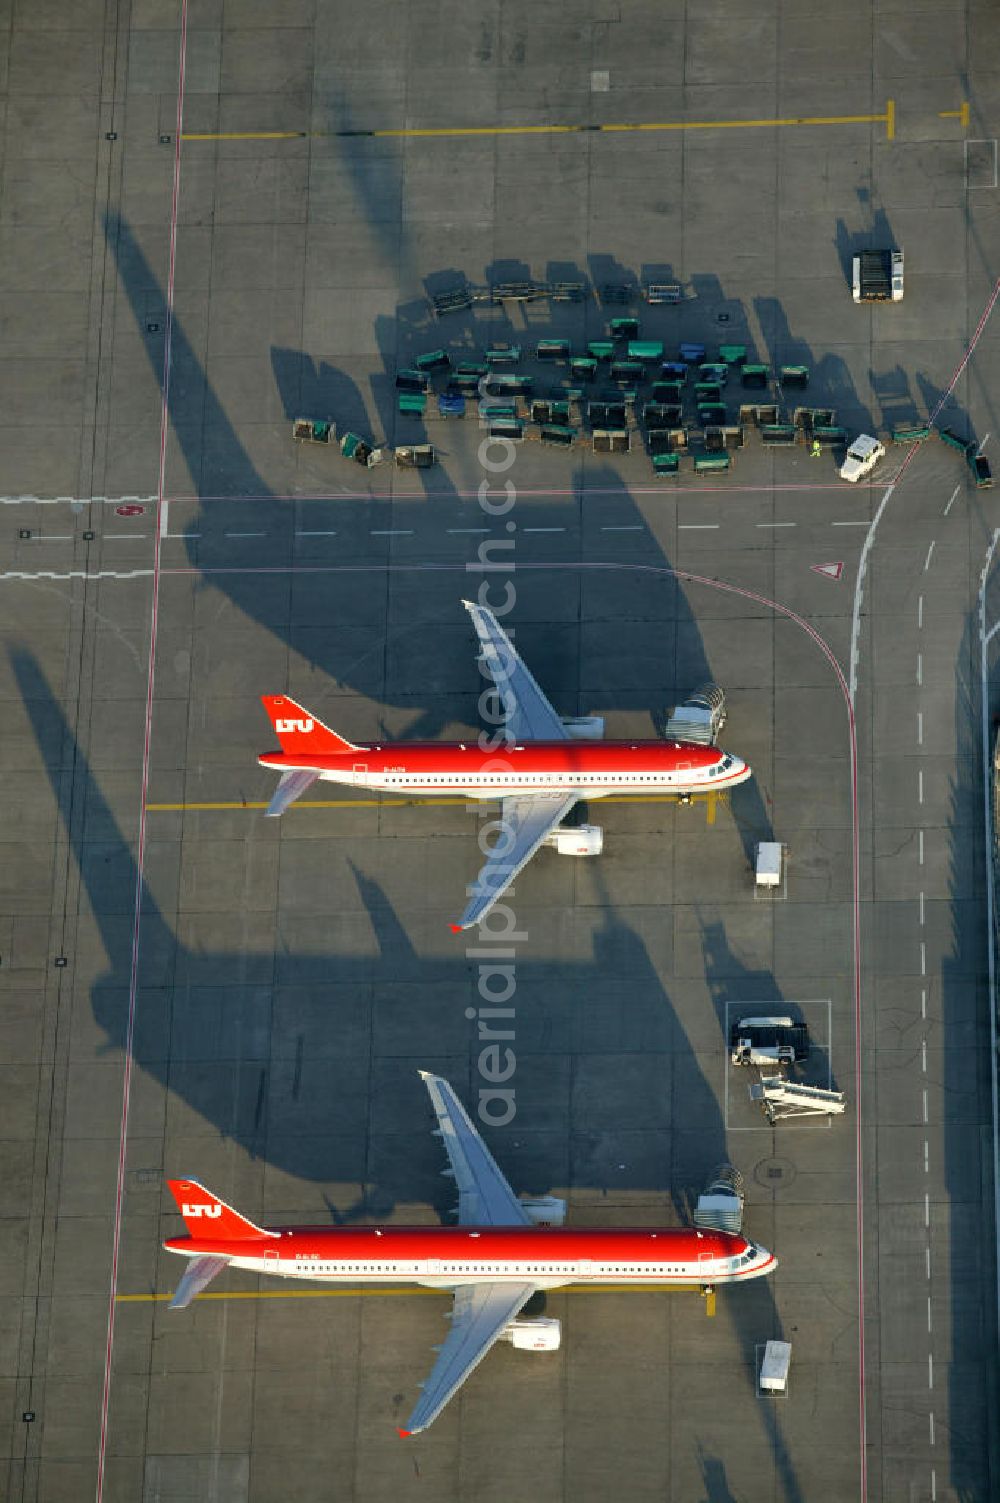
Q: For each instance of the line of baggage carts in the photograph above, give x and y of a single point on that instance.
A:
(620, 391)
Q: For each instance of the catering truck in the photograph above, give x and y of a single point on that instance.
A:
(877, 276)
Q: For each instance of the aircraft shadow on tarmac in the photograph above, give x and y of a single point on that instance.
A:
(216, 1054)
(971, 1319)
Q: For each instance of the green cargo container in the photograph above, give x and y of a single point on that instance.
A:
(645, 349)
(666, 464)
(559, 434)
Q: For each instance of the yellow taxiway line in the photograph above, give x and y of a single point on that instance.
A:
(888, 119)
(372, 1292)
(406, 803)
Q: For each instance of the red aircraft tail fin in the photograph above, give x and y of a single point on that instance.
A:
(205, 1215)
(300, 733)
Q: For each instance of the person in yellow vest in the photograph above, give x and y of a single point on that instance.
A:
(816, 450)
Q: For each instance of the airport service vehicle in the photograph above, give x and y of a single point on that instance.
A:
(877, 276)
(538, 764)
(861, 458)
(500, 1254)
(768, 1041)
(767, 863)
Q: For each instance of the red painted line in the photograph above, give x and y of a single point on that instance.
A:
(102, 1449)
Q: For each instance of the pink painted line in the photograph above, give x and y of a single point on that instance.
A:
(133, 989)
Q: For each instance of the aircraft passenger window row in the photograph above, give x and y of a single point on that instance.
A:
(543, 777)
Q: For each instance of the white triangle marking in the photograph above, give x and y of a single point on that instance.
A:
(832, 571)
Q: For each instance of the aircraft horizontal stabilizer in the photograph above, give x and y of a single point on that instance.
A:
(197, 1276)
(291, 785)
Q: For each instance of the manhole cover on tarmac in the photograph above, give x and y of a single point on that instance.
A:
(774, 1174)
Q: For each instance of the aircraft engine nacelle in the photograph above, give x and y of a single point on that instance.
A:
(583, 727)
(545, 1210)
(585, 840)
(543, 1335)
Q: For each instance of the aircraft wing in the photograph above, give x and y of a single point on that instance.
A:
(197, 1276)
(484, 1196)
(528, 713)
(291, 785)
(527, 819)
(480, 1316)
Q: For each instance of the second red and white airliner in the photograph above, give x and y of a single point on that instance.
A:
(503, 1251)
(534, 764)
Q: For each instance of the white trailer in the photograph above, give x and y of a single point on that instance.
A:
(767, 864)
(774, 1367)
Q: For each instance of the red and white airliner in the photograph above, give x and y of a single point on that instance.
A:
(502, 1251)
(534, 763)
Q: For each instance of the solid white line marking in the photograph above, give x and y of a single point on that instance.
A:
(697, 526)
(921, 909)
(926, 1118)
(920, 727)
(56, 537)
(927, 1251)
(164, 519)
(920, 840)
(638, 528)
(923, 958)
(246, 534)
(543, 529)
(454, 531)
(927, 560)
(952, 501)
(933, 1486)
(927, 1157)
(848, 524)
(931, 1417)
(928, 1312)
(777, 524)
(930, 1369)
(920, 612)
(920, 784)
(122, 537)
(923, 1055)
(182, 534)
(923, 1004)
(320, 532)
(920, 668)
(927, 1222)
(982, 446)
(391, 532)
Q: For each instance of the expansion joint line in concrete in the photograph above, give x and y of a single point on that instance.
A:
(116, 1241)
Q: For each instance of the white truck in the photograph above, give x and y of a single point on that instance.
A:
(861, 458)
(877, 276)
(768, 1041)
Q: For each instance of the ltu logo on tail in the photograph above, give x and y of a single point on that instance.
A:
(212, 1211)
(283, 727)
